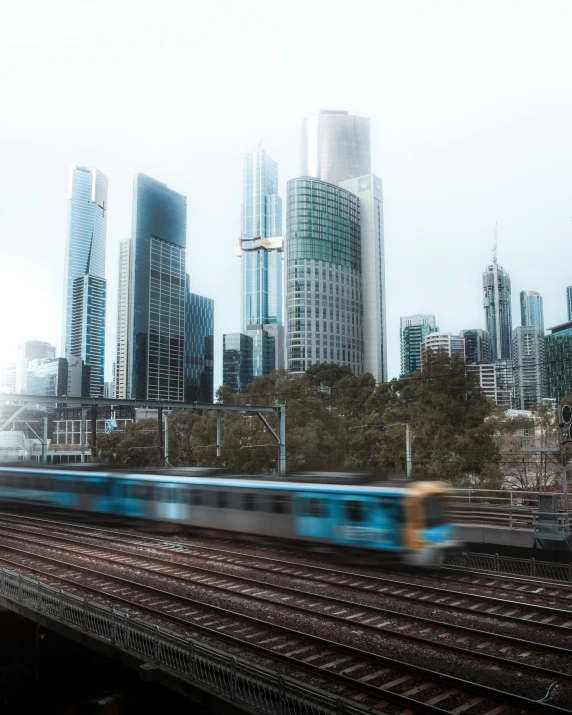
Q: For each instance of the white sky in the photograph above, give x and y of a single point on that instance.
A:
(471, 113)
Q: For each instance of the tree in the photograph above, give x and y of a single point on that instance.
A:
(135, 446)
(181, 424)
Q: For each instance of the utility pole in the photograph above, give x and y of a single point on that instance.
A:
(408, 450)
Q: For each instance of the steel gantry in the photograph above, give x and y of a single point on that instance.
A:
(31, 401)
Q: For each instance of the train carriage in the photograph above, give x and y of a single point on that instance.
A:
(407, 520)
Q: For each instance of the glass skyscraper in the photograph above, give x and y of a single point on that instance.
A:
(85, 261)
(157, 292)
(324, 281)
(123, 320)
(531, 311)
(199, 347)
(529, 368)
(413, 331)
(558, 353)
(237, 368)
(477, 346)
(498, 317)
(261, 259)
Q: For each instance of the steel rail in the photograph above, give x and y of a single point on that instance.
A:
(495, 694)
(504, 639)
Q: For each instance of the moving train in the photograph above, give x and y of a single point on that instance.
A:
(406, 520)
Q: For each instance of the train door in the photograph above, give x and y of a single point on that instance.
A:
(359, 521)
(312, 514)
(170, 502)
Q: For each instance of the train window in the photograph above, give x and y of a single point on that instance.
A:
(355, 511)
(221, 500)
(249, 502)
(433, 510)
(197, 497)
(312, 507)
(281, 504)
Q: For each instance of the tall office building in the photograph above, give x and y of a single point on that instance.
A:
(8, 378)
(335, 146)
(88, 329)
(199, 347)
(529, 366)
(569, 302)
(85, 269)
(237, 368)
(121, 371)
(498, 317)
(323, 258)
(558, 356)
(477, 345)
(369, 191)
(452, 345)
(27, 351)
(263, 350)
(413, 331)
(531, 311)
(157, 292)
(261, 251)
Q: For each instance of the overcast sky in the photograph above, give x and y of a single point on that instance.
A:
(471, 116)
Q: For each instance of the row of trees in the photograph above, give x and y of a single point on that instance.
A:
(337, 421)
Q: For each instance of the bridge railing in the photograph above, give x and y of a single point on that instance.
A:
(512, 565)
(227, 676)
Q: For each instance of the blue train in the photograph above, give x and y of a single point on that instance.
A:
(406, 520)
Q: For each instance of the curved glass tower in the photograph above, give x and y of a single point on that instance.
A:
(324, 292)
(498, 317)
(334, 146)
(531, 311)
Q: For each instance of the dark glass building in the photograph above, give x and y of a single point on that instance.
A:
(324, 280)
(157, 292)
(414, 330)
(263, 350)
(477, 346)
(49, 378)
(237, 369)
(199, 347)
(498, 315)
(558, 354)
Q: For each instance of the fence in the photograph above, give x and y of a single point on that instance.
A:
(238, 681)
(511, 565)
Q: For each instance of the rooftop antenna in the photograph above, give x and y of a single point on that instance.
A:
(495, 244)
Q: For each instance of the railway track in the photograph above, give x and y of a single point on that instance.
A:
(384, 677)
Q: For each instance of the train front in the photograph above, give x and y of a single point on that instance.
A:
(430, 532)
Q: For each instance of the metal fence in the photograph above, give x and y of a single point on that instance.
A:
(509, 565)
(236, 680)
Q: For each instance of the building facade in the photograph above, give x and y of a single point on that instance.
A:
(486, 375)
(88, 329)
(85, 251)
(48, 377)
(569, 302)
(477, 345)
(262, 271)
(528, 366)
(199, 347)
(263, 350)
(157, 292)
(413, 331)
(453, 345)
(324, 283)
(531, 310)
(369, 191)
(498, 316)
(8, 378)
(558, 356)
(335, 146)
(237, 368)
(27, 351)
(121, 368)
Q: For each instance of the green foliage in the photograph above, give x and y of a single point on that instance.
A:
(136, 446)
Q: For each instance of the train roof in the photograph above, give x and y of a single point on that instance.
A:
(236, 481)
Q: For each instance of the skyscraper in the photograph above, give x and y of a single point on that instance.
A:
(199, 347)
(334, 146)
(27, 351)
(237, 365)
(123, 321)
(369, 191)
(323, 257)
(477, 345)
(529, 366)
(531, 312)
(413, 331)
(88, 329)
(498, 317)
(261, 249)
(157, 292)
(558, 355)
(85, 251)
(453, 345)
